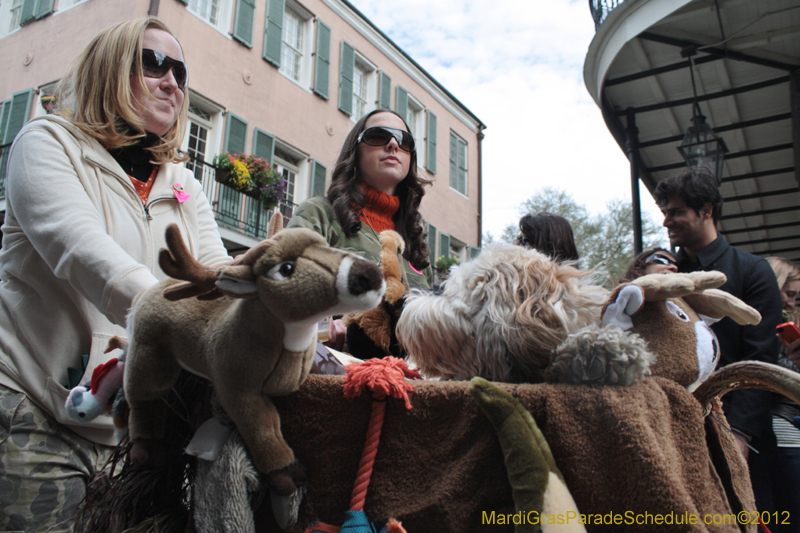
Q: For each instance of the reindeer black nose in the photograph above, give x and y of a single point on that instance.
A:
(363, 277)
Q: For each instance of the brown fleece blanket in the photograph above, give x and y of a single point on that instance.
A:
(626, 452)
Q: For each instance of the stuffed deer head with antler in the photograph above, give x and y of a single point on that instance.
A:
(659, 325)
(249, 327)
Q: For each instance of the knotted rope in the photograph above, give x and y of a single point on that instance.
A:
(383, 378)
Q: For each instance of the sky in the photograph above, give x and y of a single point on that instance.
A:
(518, 66)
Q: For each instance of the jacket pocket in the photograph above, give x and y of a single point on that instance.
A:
(10, 401)
(55, 395)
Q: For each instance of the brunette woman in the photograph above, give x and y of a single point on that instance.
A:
(374, 187)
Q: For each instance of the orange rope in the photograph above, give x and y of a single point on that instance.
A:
(368, 456)
(383, 377)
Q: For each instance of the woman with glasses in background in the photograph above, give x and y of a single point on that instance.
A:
(90, 192)
(374, 187)
(652, 261)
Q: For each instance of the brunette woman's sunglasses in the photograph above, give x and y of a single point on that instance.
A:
(381, 136)
(660, 259)
(156, 65)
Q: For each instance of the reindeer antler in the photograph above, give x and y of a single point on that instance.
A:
(177, 262)
(717, 304)
(699, 291)
(659, 287)
(200, 281)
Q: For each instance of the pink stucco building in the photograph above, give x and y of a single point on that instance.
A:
(280, 78)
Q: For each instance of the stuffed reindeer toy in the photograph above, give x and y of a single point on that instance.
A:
(656, 325)
(249, 327)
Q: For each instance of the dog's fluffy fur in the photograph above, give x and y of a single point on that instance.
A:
(601, 355)
(500, 316)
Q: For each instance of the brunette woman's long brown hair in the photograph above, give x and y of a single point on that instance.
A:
(344, 194)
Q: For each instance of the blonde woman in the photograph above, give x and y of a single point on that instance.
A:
(781, 462)
(90, 192)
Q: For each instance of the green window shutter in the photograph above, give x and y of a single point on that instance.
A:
(318, 172)
(263, 145)
(273, 32)
(235, 134)
(474, 252)
(430, 143)
(28, 12)
(385, 91)
(43, 8)
(243, 22)
(453, 161)
(5, 109)
(432, 243)
(444, 245)
(401, 103)
(462, 166)
(322, 63)
(347, 63)
(18, 114)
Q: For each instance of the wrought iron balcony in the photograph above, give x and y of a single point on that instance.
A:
(600, 10)
(232, 209)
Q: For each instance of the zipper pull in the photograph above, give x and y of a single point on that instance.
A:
(147, 212)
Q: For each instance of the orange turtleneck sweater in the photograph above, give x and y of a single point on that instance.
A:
(380, 209)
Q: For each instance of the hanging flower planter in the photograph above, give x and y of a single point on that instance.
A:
(252, 176)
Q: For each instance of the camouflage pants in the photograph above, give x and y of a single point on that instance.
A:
(44, 467)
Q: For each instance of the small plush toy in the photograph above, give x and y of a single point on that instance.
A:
(104, 390)
(537, 484)
(372, 333)
(251, 331)
(500, 316)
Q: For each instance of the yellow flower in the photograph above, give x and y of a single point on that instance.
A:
(241, 176)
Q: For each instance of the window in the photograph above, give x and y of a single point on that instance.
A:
(458, 164)
(198, 139)
(415, 117)
(359, 92)
(363, 87)
(45, 100)
(203, 135)
(215, 12)
(288, 43)
(458, 249)
(292, 50)
(16, 12)
(10, 16)
(291, 164)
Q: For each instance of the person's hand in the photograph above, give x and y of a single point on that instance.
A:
(793, 352)
(741, 442)
(337, 334)
(743, 448)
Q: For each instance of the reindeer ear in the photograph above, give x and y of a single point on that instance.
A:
(275, 224)
(237, 281)
(626, 301)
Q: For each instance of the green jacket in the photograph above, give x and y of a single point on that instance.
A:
(317, 214)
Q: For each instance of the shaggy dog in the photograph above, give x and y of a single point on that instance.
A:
(500, 316)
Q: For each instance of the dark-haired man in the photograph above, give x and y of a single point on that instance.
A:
(692, 204)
